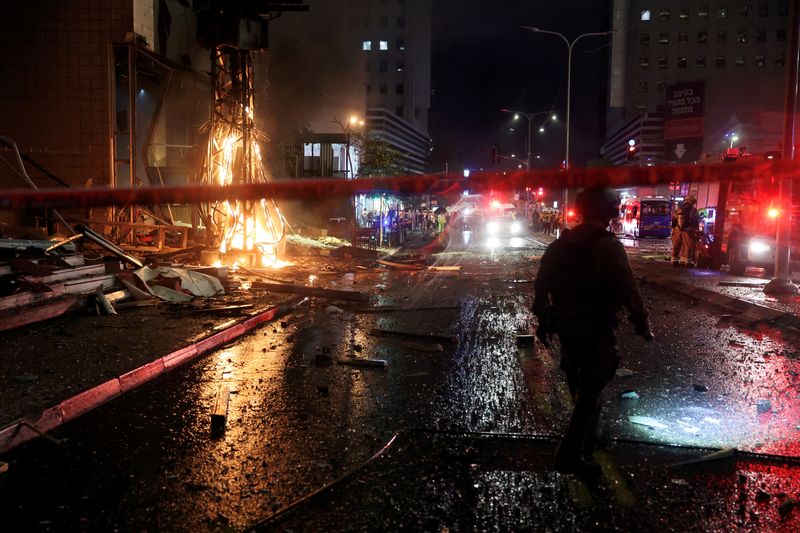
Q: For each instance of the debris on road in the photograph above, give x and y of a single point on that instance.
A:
(401, 266)
(624, 373)
(647, 421)
(219, 416)
(367, 363)
(353, 296)
(445, 268)
(747, 284)
(763, 406)
(724, 453)
(525, 340)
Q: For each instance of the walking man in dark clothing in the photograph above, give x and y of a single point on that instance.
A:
(583, 280)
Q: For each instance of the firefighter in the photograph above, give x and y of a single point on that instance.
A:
(583, 280)
(688, 220)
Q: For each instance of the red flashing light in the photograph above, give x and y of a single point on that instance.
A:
(495, 204)
(773, 212)
(570, 213)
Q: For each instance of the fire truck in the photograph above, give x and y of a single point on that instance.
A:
(752, 215)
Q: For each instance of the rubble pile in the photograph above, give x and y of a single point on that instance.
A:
(41, 279)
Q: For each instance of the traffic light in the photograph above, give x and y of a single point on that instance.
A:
(633, 151)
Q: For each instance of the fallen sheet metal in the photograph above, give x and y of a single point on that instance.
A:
(195, 283)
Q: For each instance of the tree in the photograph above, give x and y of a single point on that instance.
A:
(378, 157)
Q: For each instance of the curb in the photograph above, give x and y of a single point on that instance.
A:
(31, 427)
(754, 312)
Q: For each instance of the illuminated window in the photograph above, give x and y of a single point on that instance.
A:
(644, 38)
(644, 62)
(702, 37)
(722, 37)
(700, 62)
(684, 13)
(400, 66)
(702, 12)
(741, 36)
(738, 61)
(761, 60)
(683, 37)
(681, 62)
(662, 62)
(384, 45)
(646, 14)
(366, 45)
(719, 61)
(761, 36)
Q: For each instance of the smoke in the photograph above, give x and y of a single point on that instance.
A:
(316, 71)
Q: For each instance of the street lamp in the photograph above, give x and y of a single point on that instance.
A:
(530, 117)
(570, 45)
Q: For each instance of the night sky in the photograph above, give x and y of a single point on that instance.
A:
(483, 61)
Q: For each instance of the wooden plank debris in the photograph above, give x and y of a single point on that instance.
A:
(353, 296)
(36, 313)
(445, 268)
(31, 297)
(219, 416)
(67, 274)
(401, 266)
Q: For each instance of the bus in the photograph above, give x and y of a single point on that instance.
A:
(647, 218)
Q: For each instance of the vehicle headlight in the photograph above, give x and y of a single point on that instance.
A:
(492, 227)
(757, 247)
(516, 227)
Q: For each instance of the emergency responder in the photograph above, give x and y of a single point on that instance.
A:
(687, 223)
(583, 280)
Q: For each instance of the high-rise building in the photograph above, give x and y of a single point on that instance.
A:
(711, 71)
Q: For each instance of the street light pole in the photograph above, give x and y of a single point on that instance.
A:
(529, 117)
(570, 45)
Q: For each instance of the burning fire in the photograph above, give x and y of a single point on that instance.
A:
(249, 233)
(246, 227)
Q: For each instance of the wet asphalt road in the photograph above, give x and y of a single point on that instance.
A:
(478, 419)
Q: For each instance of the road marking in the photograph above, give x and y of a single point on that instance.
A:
(616, 482)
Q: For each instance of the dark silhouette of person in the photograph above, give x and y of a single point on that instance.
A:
(583, 281)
